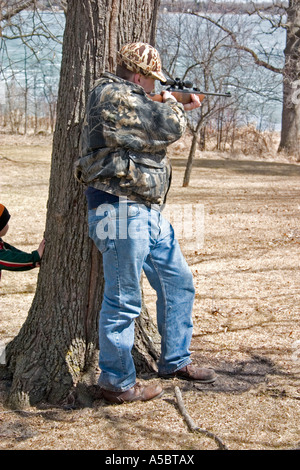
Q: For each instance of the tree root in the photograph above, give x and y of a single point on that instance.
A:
(192, 426)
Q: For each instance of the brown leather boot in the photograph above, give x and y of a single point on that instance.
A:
(135, 393)
(192, 372)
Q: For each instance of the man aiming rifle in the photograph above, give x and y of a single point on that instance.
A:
(127, 174)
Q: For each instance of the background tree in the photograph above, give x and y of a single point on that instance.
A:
(284, 15)
(194, 49)
(290, 132)
(57, 346)
(30, 46)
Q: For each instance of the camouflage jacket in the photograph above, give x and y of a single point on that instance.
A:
(124, 141)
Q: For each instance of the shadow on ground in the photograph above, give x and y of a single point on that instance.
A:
(243, 166)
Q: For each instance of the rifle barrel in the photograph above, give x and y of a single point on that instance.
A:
(227, 94)
(183, 95)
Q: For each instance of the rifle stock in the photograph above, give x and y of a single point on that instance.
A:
(182, 92)
(183, 98)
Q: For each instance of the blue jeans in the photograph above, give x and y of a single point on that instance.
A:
(132, 238)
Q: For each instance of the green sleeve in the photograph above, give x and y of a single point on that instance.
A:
(13, 259)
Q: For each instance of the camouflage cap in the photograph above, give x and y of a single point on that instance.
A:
(140, 57)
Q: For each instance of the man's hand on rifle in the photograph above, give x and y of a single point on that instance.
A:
(193, 104)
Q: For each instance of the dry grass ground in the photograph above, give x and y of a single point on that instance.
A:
(246, 314)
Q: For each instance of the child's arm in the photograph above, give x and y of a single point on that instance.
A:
(12, 259)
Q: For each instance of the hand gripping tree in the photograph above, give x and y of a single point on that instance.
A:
(57, 347)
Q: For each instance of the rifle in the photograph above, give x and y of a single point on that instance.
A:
(182, 90)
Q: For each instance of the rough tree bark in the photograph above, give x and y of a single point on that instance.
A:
(290, 131)
(57, 347)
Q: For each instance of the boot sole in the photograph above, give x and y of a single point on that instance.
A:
(190, 379)
(132, 401)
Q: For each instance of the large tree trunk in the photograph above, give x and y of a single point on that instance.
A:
(290, 132)
(57, 346)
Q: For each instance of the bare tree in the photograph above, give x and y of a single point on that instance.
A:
(290, 132)
(195, 49)
(29, 42)
(57, 347)
(192, 49)
(284, 15)
(8, 9)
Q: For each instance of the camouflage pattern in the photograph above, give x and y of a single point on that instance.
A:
(124, 141)
(139, 57)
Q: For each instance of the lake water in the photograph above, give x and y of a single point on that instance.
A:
(36, 68)
(32, 63)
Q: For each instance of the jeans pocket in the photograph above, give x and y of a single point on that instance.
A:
(133, 210)
(99, 237)
(120, 221)
(123, 210)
